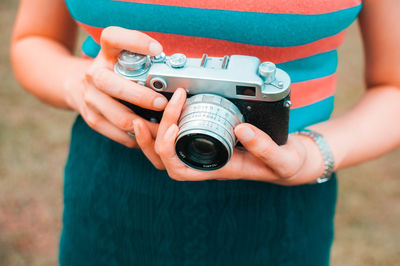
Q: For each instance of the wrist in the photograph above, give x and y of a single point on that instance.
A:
(73, 81)
(319, 154)
(314, 163)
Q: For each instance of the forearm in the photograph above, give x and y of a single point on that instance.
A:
(366, 131)
(42, 66)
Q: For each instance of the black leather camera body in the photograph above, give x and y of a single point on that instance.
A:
(222, 93)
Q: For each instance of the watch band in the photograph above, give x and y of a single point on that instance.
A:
(326, 152)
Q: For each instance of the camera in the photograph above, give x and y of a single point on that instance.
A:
(222, 93)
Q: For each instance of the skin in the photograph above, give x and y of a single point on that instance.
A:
(366, 131)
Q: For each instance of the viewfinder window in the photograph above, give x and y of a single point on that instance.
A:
(246, 90)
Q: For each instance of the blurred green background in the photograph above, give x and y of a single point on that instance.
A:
(34, 145)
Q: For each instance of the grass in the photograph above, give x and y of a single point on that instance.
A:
(34, 145)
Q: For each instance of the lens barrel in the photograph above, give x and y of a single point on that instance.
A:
(206, 138)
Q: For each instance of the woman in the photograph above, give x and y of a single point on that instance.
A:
(121, 210)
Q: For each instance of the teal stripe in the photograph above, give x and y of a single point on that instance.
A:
(266, 29)
(311, 114)
(313, 67)
(90, 47)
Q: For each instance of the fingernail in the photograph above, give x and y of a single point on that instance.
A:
(155, 48)
(160, 102)
(136, 128)
(245, 134)
(170, 132)
(177, 95)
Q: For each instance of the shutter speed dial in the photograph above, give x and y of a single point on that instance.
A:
(177, 60)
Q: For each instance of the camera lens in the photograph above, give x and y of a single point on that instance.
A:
(203, 146)
(206, 139)
(202, 149)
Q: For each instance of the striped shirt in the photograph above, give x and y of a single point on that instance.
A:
(120, 210)
(300, 36)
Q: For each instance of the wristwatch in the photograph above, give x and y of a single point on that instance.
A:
(326, 152)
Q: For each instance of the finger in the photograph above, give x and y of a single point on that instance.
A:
(116, 86)
(117, 113)
(146, 144)
(172, 112)
(284, 160)
(114, 39)
(104, 127)
(244, 165)
(175, 168)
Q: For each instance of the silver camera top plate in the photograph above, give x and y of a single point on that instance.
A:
(237, 76)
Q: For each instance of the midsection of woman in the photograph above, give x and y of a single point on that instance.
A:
(120, 210)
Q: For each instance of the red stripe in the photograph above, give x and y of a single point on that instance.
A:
(308, 7)
(312, 91)
(197, 46)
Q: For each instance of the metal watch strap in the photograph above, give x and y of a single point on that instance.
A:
(326, 152)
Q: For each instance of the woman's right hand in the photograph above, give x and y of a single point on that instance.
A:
(93, 93)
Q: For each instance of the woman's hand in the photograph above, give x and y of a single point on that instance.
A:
(93, 93)
(297, 162)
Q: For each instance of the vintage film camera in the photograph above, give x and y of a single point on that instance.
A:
(222, 93)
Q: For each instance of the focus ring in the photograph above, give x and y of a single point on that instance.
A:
(207, 118)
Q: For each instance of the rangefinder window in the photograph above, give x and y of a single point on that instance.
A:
(246, 90)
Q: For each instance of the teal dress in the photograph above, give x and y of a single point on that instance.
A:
(120, 210)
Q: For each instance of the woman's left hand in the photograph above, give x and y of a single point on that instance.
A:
(297, 162)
